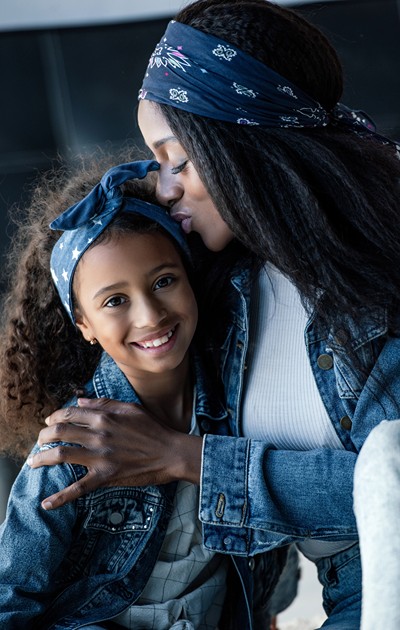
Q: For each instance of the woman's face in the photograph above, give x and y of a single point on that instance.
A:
(179, 186)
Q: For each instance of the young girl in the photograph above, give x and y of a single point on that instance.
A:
(108, 298)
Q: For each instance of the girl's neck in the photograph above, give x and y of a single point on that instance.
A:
(169, 396)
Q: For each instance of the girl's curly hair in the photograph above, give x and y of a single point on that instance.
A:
(43, 357)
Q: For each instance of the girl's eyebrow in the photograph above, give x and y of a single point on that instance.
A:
(121, 285)
(110, 287)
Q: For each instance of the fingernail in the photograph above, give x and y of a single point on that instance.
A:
(47, 421)
(29, 461)
(47, 505)
(83, 401)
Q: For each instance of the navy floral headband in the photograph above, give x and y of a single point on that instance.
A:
(202, 74)
(83, 223)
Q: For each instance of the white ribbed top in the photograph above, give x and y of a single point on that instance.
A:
(282, 404)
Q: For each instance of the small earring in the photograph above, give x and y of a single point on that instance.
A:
(93, 341)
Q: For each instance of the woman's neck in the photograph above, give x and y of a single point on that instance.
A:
(169, 396)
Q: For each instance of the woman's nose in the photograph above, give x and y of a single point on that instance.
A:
(168, 189)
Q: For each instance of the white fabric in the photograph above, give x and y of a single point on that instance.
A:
(282, 404)
(377, 510)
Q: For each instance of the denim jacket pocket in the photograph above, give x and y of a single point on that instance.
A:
(366, 340)
(348, 382)
(116, 528)
(116, 515)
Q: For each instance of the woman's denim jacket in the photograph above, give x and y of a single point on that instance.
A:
(254, 498)
(89, 560)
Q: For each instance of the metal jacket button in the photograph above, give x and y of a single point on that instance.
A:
(346, 423)
(325, 361)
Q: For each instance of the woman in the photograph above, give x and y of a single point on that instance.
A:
(239, 106)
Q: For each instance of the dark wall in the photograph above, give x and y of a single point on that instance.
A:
(366, 34)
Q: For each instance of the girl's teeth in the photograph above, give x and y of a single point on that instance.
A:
(158, 342)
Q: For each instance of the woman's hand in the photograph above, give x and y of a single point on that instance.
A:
(120, 444)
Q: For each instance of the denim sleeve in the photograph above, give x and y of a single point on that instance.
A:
(33, 543)
(253, 498)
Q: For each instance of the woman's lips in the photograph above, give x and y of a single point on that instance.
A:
(184, 219)
(186, 225)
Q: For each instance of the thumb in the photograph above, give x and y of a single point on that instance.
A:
(107, 404)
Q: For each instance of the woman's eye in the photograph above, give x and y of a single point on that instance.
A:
(115, 301)
(179, 169)
(163, 282)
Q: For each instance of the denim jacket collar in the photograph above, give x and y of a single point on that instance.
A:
(109, 382)
(373, 322)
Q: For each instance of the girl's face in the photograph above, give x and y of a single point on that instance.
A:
(134, 297)
(179, 186)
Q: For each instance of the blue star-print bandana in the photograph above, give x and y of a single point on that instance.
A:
(83, 223)
(207, 76)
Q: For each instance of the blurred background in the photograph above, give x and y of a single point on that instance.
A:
(70, 73)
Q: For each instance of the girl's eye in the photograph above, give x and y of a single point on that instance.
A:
(117, 300)
(163, 282)
(179, 169)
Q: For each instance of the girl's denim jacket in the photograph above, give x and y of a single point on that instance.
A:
(255, 498)
(89, 560)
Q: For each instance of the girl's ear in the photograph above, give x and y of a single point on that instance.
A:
(83, 325)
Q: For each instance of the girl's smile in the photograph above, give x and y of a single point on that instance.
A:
(156, 343)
